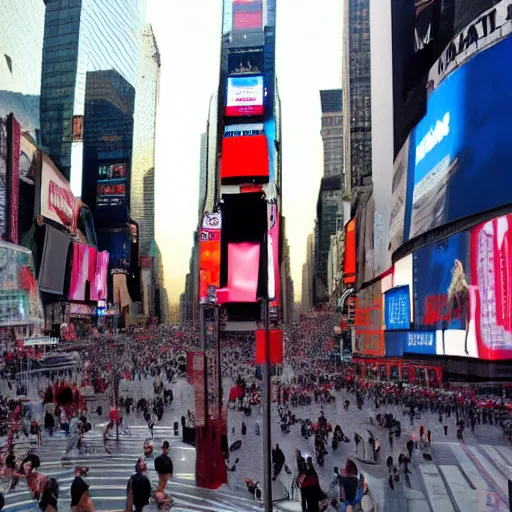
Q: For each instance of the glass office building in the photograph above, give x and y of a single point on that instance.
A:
(81, 36)
(21, 46)
(357, 127)
(142, 191)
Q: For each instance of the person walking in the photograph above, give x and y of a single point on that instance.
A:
(164, 468)
(139, 488)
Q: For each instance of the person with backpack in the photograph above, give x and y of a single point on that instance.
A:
(139, 488)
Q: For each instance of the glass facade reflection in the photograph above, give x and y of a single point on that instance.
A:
(81, 36)
(142, 193)
(357, 129)
(21, 44)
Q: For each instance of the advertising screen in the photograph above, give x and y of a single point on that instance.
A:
(111, 185)
(491, 293)
(369, 334)
(410, 342)
(247, 20)
(244, 96)
(461, 152)
(245, 157)
(209, 257)
(397, 308)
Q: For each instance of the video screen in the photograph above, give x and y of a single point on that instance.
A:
(244, 96)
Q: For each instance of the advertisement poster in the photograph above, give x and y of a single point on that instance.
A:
(462, 154)
(397, 308)
(3, 178)
(399, 198)
(441, 284)
(410, 342)
(369, 333)
(111, 185)
(57, 200)
(244, 96)
(209, 257)
(275, 276)
(491, 271)
(13, 177)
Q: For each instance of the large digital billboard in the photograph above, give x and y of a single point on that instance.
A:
(463, 291)
(111, 185)
(245, 157)
(461, 148)
(244, 96)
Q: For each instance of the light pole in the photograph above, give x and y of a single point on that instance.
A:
(266, 394)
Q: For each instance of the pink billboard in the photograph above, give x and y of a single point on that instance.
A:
(491, 290)
(88, 266)
(274, 239)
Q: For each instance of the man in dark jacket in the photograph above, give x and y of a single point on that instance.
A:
(139, 488)
(278, 459)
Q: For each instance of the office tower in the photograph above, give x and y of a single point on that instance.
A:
(81, 36)
(332, 132)
(142, 188)
(21, 47)
(357, 120)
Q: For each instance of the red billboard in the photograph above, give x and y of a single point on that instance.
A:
(349, 262)
(247, 20)
(245, 157)
(491, 287)
(369, 332)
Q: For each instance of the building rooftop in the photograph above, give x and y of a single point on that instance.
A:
(331, 101)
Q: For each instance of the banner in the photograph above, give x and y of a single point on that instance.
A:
(397, 308)
(209, 257)
(462, 143)
(410, 342)
(274, 256)
(57, 201)
(369, 333)
(491, 293)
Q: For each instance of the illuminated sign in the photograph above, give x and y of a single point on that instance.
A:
(111, 185)
(244, 96)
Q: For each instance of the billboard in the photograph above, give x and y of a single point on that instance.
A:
(111, 185)
(462, 143)
(247, 20)
(397, 308)
(244, 96)
(245, 157)
(209, 257)
(369, 333)
(410, 342)
(491, 290)
(274, 271)
(57, 202)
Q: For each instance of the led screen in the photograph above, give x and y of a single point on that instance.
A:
(244, 157)
(244, 96)
(111, 184)
(247, 20)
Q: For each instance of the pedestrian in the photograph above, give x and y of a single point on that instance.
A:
(80, 498)
(164, 468)
(139, 488)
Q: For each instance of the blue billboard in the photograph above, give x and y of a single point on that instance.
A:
(460, 151)
(440, 275)
(397, 308)
(410, 342)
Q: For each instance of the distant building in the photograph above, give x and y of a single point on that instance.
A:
(142, 183)
(21, 53)
(203, 174)
(81, 36)
(308, 274)
(332, 133)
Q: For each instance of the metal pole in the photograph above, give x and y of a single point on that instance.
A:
(266, 397)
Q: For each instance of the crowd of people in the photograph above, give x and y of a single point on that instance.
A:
(308, 381)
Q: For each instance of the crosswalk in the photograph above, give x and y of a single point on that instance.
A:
(109, 473)
(465, 477)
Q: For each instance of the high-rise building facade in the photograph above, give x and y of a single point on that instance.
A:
(332, 132)
(329, 205)
(357, 119)
(81, 36)
(142, 187)
(308, 274)
(203, 173)
(21, 50)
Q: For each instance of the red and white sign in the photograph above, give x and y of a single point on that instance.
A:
(57, 200)
(244, 96)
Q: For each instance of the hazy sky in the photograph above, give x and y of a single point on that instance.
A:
(308, 59)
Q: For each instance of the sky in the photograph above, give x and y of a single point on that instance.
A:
(308, 59)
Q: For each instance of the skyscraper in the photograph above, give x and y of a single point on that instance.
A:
(21, 47)
(329, 210)
(81, 36)
(357, 125)
(142, 188)
(203, 173)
